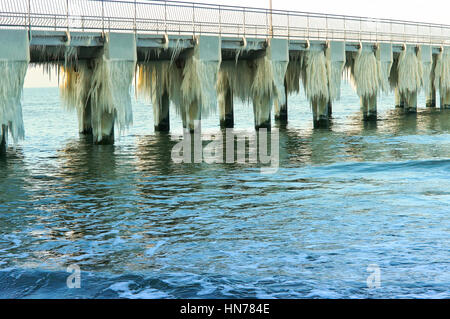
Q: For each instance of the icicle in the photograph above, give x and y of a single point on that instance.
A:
(199, 83)
(315, 79)
(12, 76)
(366, 75)
(410, 72)
(110, 93)
(442, 77)
(335, 69)
(293, 74)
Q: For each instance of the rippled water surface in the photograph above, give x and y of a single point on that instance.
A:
(140, 226)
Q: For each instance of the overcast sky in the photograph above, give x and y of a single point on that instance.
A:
(434, 11)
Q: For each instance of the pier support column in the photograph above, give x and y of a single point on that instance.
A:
(193, 117)
(320, 113)
(277, 58)
(431, 97)
(428, 66)
(14, 59)
(161, 114)
(369, 106)
(281, 110)
(110, 89)
(3, 136)
(106, 132)
(85, 119)
(445, 100)
(399, 100)
(200, 75)
(261, 111)
(226, 108)
(411, 102)
(431, 94)
(336, 58)
(410, 74)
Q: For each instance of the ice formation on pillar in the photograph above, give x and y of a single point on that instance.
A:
(12, 76)
(153, 80)
(335, 70)
(427, 68)
(442, 76)
(110, 94)
(315, 82)
(75, 89)
(293, 74)
(410, 76)
(198, 87)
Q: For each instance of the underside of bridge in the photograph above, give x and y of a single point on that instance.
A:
(195, 76)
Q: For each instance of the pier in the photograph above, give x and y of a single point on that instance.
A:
(195, 59)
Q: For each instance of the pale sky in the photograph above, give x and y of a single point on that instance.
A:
(434, 11)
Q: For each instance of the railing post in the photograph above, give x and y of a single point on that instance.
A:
(29, 18)
(307, 26)
(165, 17)
(103, 17)
(288, 27)
(360, 29)
(67, 14)
(220, 21)
(345, 30)
(193, 19)
(326, 27)
(135, 14)
(244, 22)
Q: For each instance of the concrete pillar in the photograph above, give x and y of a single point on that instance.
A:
(431, 97)
(85, 119)
(320, 113)
(261, 111)
(369, 106)
(445, 100)
(205, 60)
(411, 102)
(277, 52)
(226, 109)
(399, 100)
(193, 116)
(410, 62)
(117, 66)
(3, 137)
(336, 58)
(429, 60)
(14, 59)
(161, 114)
(281, 110)
(106, 129)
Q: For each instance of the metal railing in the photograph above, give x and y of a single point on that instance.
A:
(177, 17)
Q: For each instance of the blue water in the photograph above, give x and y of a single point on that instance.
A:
(141, 226)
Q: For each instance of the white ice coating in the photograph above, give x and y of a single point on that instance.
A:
(366, 74)
(12, 76)
(315, 79)
(107, 88)
(335, 70)
(259, 81)
(110, 93)
(199, 84)
(410, 72)
(442, 75)
(293, 74)
(75, 90)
